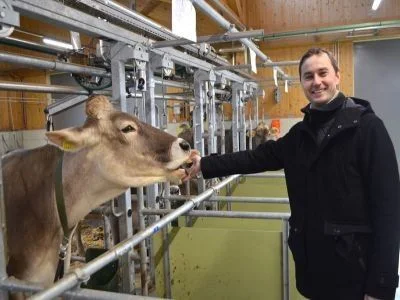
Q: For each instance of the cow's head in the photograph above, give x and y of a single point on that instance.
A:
(262, 130)
(124, 149)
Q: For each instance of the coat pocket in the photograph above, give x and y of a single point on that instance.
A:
(351, 242)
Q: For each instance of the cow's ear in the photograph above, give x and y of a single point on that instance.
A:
(98, 107)
(72, 139)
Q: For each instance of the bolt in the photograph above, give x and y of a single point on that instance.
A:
(2, 14)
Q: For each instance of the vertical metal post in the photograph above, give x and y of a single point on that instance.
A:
(166, 258)
(250, 133)
(235, 116)
(144, 282)
(124, 201)
(212, 139)
(198, 127)
(3, 258)
(285, 260)
(242, 122)
(143, 250)
(151, 190)
(222, 126)
(256, 110)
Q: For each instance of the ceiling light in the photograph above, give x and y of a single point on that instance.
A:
(375, 5)
(56, 43)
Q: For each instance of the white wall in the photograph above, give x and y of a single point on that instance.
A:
(34, 138)
(10, 141)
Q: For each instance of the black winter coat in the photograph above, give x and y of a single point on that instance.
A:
(344, 197)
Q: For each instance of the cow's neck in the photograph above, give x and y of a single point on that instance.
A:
(85, 187)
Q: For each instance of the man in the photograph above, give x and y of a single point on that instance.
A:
(343, 185)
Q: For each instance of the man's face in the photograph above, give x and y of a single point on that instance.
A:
(319, 79)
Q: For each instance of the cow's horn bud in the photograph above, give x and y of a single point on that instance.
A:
(98, 106)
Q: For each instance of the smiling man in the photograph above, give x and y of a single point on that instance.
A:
(343, 185)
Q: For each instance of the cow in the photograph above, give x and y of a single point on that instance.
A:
(259, 135)
(111, 152)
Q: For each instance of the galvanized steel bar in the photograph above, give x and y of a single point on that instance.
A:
(143, 251)
(78, 294)
(165, 245)
(223, 214)
(80, 274)
(211, 12)
(3, 251)
(41, 88)
(119, 57)
(266, 175)
(233, 199)
(261, 65)
(285, 260)
(217, 38)
(51, 65)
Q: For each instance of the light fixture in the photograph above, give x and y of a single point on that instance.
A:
(375, 5)
(56, 43)
(351, 36)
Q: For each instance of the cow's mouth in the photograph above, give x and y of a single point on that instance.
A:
(186, 165)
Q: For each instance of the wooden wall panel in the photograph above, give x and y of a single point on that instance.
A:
(288, 15)
(23, 110)
(35, 103)
(11, 109)
(184, 107)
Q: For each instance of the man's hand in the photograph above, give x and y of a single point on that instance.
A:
(366, 297)
(195, 168)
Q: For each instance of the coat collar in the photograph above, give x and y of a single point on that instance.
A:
(349, 115)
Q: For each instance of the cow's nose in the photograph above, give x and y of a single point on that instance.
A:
(184, 145)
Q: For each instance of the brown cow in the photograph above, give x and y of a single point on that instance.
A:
(109, 153)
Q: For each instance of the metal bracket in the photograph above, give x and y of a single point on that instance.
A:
(8, 18)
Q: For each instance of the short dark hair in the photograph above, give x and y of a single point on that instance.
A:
(318, 51)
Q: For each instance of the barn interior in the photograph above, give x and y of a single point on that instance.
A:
(218, 70)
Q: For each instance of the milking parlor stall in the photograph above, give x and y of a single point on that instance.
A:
(102, 104)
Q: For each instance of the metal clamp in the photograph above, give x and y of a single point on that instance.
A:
(8, 18)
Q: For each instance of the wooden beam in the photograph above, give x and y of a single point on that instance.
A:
(239, 9)
(149, 7)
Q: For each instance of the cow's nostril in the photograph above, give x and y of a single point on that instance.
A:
(184, 145)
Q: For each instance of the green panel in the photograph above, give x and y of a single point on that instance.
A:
(251, 187)
(221, 258)
(223, 264)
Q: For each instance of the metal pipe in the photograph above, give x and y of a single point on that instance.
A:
(262, 65)
(230, 14)
(143, 23)
(12, 41)
(143, 250)
(78, 258)
(231, 50)
(165, 245)
(3, 228)
(334, 29)
(81, 274)
(52, 65)
(217, 38)
(41, 88)
(266, 175)
(223, 214)
(285, 260)
(208, 10)
(80, 294)
(167, 82)
(165, 97)
(233, 199)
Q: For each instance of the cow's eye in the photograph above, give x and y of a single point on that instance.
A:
(128, 128)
